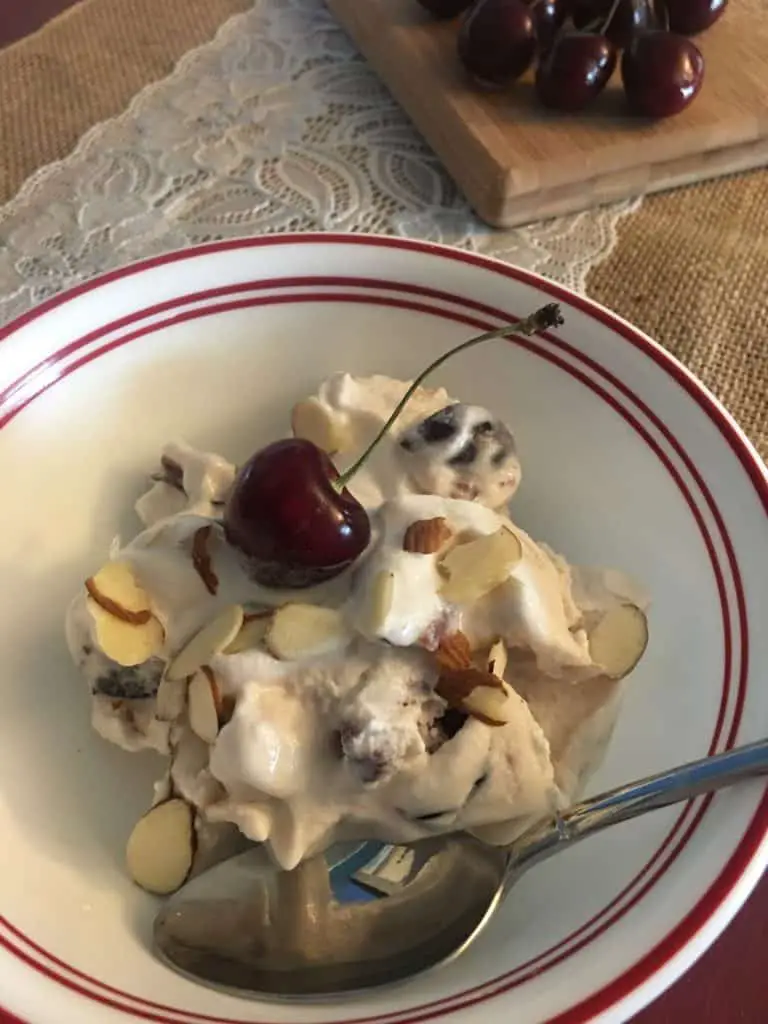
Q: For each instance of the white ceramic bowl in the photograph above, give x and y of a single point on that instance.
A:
(627, 462)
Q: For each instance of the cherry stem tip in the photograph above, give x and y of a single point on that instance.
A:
(543, 319)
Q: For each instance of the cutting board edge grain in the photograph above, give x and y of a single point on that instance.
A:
(467, 131)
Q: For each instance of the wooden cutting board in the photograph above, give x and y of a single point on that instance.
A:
(516, 162)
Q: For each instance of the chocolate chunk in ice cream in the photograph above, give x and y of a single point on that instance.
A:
(136, 682)
(462, 451)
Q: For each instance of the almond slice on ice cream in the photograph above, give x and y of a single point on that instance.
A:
(123, 642)
(205, 704)
(201, 559)
(225, 705)
(255, 628)
(473, 569)
(489, 706)
(171, 699)
(115, 589)
(306, 631)
(427, 536)
(126, 629)
(161, 847)
(454, 651)
(619, 639)
(211, 640)
(478, 693)
(311, 420)
(497, 659)
(378, 602)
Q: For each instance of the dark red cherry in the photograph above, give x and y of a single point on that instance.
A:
(445, 8)
(689, 17)
(631, 18)
(575, 70)
(291, 518)
(590, 13)
(289, 523)
(662, 73)
(548, 16)
(620, 25)
(497, 40)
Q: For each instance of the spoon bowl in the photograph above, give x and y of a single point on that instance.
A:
(337, 928)
(294, 934)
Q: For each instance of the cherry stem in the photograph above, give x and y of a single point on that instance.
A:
(611, 16)
(542, 320)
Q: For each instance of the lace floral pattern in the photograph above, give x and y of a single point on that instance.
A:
(278, 124)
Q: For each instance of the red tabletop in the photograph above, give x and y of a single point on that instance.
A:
(729, 985)
(20, 17)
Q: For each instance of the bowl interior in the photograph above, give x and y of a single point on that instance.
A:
(604, 481)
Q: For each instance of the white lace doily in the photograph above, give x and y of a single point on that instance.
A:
(277, 124)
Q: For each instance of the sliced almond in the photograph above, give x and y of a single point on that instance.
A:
(455, 685)
(311, 420)
(378, 602)
(489, 706)
(497, 659)
(123, 642)
(619, 639)
(171, 699)
(211, 640)
(473, 569)
(454, 651)
(306, 631)
(251, 613)
(480, 694)
(161, 847)
(427, 536)
(204, 704)
(116, 589)
(251, 636)
(126, 629)
(224, 703)
(201, 559)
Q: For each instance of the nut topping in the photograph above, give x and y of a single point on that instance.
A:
(201, 559)
(115, 589)
(473, 569)
(427, 536)
(477, 693)
(453, 651)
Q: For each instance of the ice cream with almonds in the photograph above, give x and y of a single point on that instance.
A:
(461, 675)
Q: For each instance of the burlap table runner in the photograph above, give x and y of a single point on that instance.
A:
(85, 66)
(691, 267)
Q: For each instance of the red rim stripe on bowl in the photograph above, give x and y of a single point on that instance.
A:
(218, 309)
(722, 421)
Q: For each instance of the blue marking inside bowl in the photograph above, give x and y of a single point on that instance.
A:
(344, 863)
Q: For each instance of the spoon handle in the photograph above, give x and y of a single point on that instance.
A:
(626, 802)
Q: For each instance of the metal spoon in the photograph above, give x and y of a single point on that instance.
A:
(246, 926)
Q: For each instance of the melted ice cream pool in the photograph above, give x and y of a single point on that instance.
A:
(353, 744)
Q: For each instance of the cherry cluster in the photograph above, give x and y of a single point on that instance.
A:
(575, 46)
